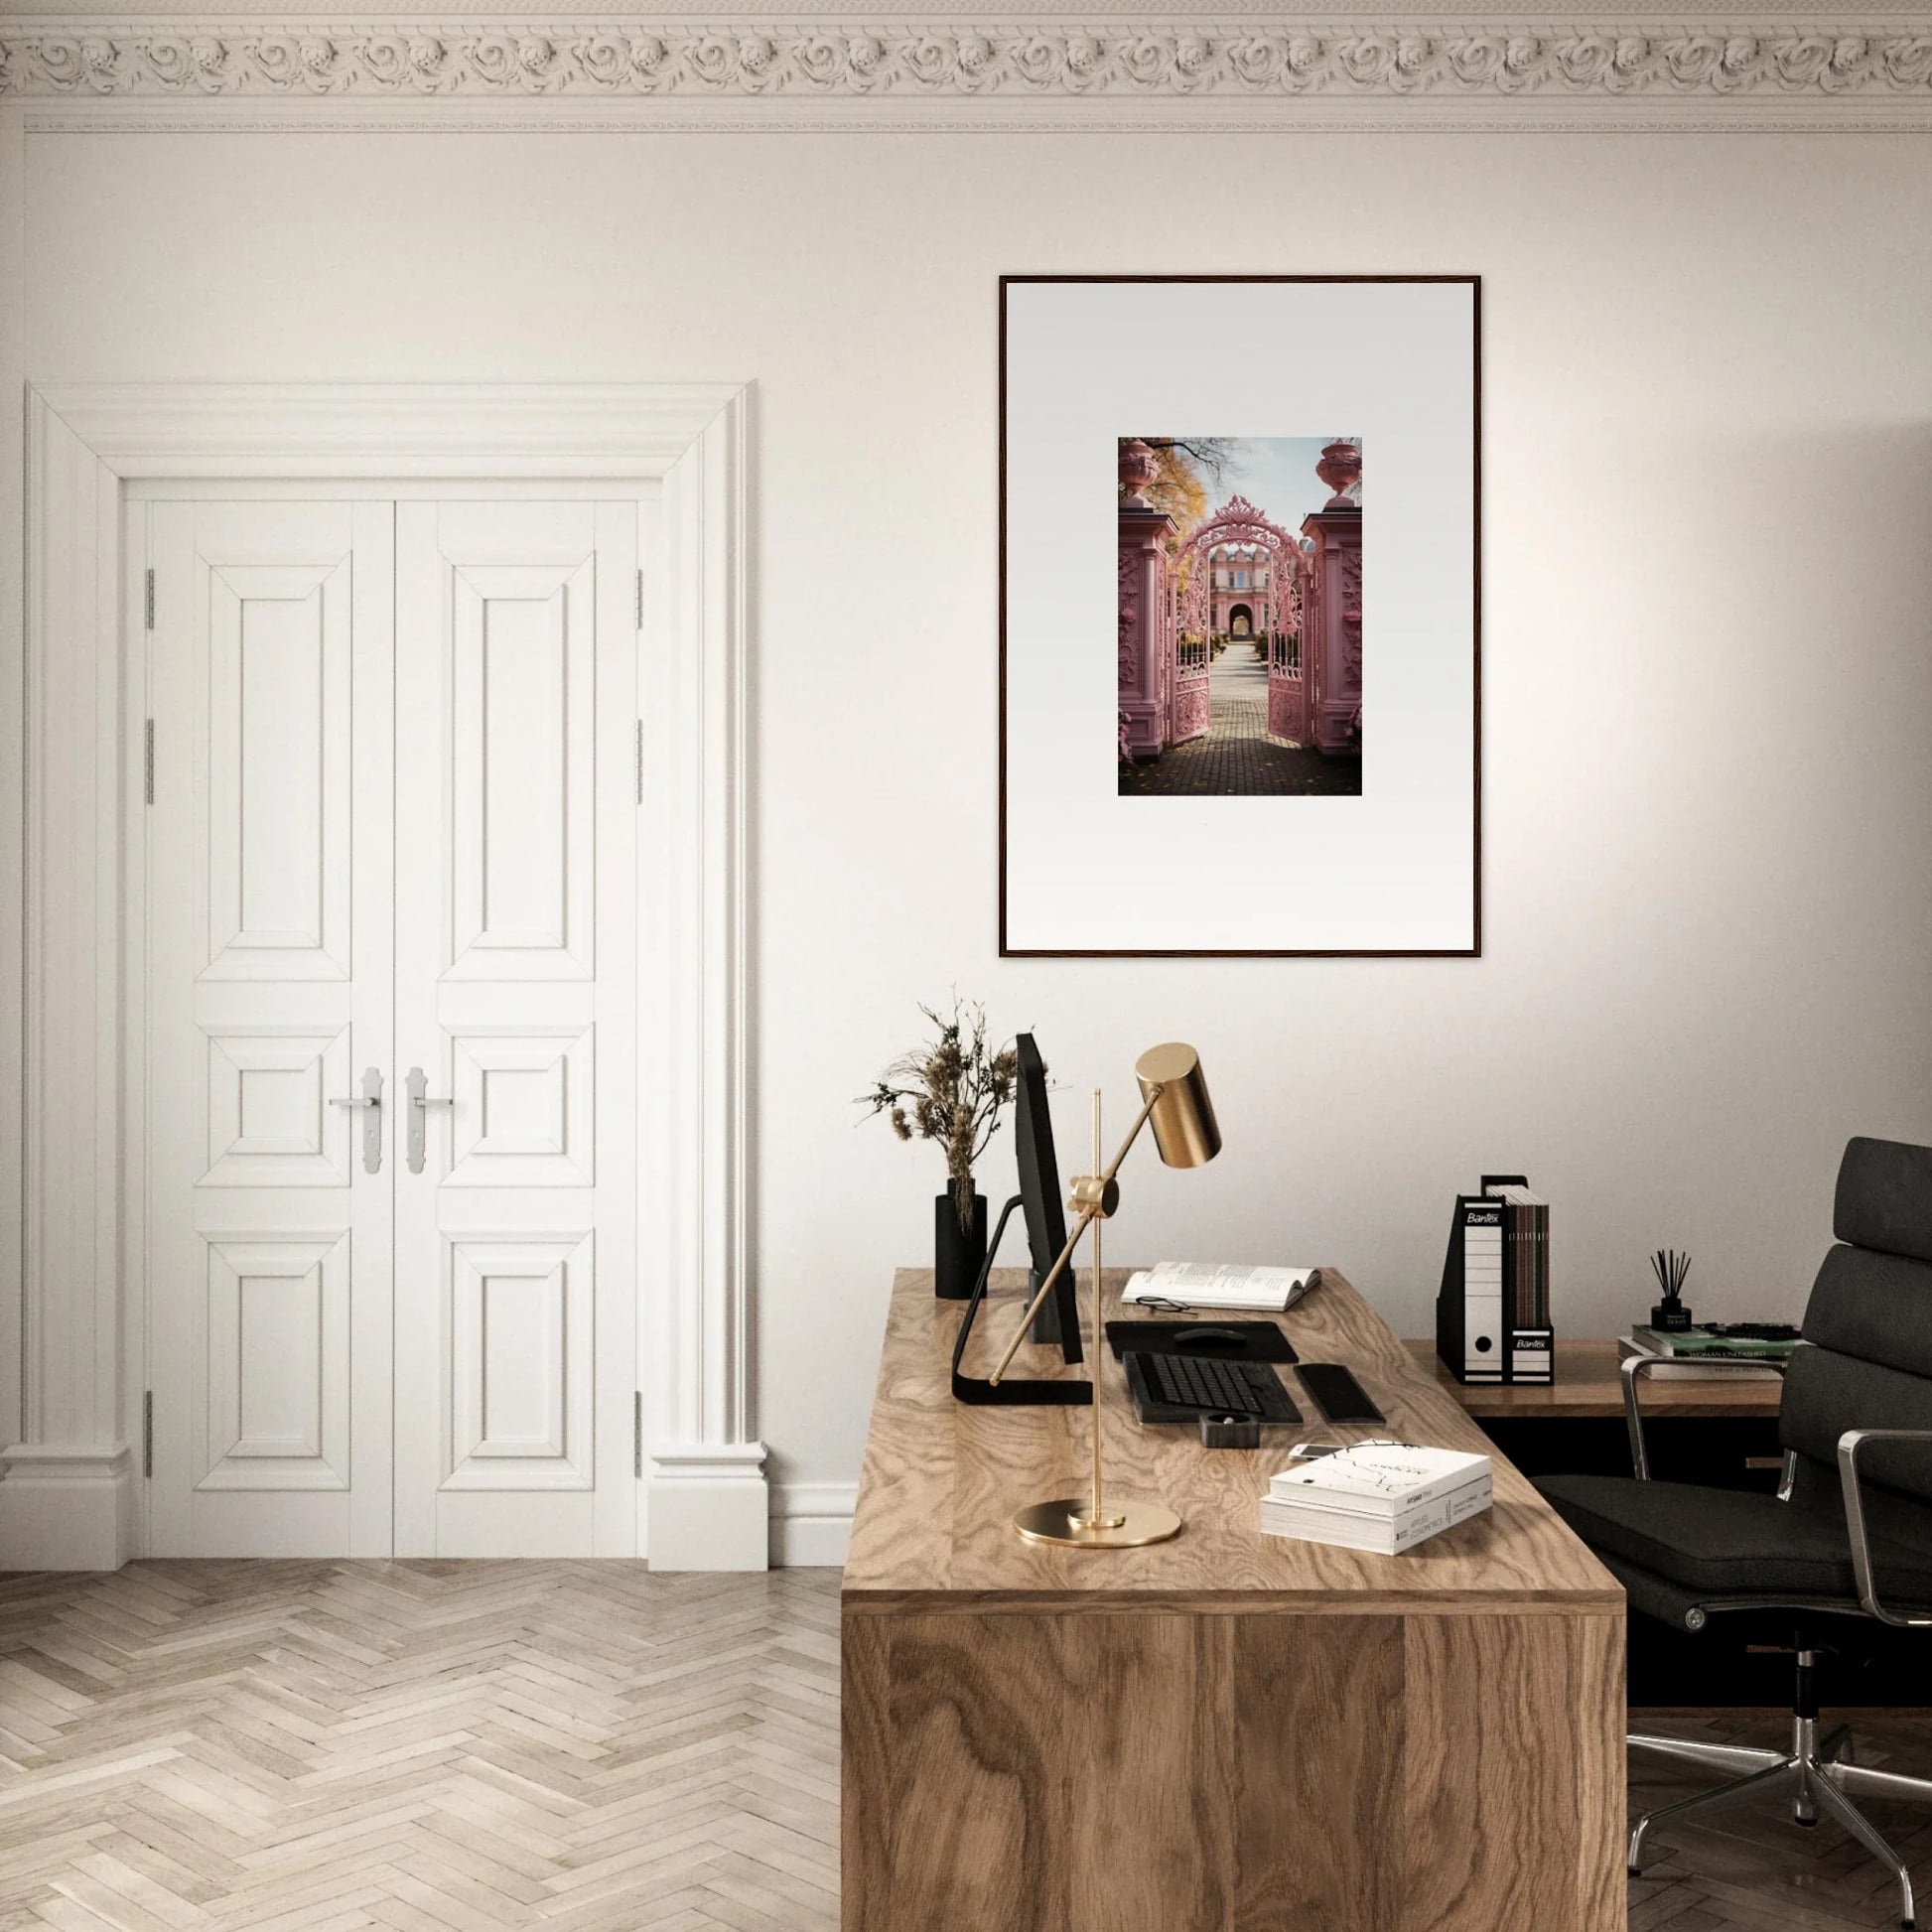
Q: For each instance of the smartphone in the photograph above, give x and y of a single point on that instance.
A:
(1337, 1394)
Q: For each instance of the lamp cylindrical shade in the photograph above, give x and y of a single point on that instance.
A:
(1184, 1128)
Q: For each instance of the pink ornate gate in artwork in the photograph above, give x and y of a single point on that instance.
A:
(1287, 709)
(1187, 704)
(1239, 521)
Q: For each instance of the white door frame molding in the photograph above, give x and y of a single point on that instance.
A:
(71, 1462)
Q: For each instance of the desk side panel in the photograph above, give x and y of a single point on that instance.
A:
(956, 1776)
(864, 1773)
(1144, 1772)
(1320, 1721)
(1514, 1774)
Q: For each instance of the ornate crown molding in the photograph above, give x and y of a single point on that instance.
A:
(1886, 64)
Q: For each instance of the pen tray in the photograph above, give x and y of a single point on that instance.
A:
(1257, 1341)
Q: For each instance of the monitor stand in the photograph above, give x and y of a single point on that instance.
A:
(1047, 1323)
(1010, 1390)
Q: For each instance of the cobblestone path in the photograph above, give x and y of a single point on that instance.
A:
(1237, 757)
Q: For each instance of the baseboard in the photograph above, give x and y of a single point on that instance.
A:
(65, 1508)
(811, 1523)
(709, 1507)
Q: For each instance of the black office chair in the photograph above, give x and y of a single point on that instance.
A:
(1849, 1536)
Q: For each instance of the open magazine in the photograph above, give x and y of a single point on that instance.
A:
(1206, 1285)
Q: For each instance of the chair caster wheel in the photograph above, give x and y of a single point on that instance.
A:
(1634, 1871)
(1807, 1822)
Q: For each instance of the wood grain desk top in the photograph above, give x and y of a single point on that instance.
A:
(942, 1479)
(1587, 1384)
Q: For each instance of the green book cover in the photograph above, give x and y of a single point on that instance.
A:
(1701, 1341)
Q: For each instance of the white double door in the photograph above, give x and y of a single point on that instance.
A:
(391, 857)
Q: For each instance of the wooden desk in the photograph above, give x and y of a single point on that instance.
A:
(1587, 1385)
(1228, 1731)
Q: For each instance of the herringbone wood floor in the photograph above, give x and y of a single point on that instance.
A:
(428, 1747)
(464, 1747)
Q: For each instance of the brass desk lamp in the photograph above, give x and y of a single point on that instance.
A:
(1176, 1104)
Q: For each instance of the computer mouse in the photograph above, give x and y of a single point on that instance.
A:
(1207, 1338)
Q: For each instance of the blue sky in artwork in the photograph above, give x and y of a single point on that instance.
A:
(1277, 475)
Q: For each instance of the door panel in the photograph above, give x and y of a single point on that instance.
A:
(393, 829)
(516, 974)
(520, 1395)
(279, 793)
(270, 678)
(521, 695)
(278, 1397)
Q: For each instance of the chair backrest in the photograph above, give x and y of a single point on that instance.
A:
(1869, 1326)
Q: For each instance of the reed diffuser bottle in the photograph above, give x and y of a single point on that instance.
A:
(1670, 1316)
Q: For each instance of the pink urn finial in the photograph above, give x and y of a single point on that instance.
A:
(1137, 469)
(1341, 466)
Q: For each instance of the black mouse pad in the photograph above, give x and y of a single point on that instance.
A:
(1233, 1341)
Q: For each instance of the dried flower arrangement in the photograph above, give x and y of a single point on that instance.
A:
(951, 1090)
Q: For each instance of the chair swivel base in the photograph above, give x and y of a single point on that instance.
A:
(1817, 1775)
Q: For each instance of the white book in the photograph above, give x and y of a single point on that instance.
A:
(1209, 1285)
(1389, 1536)
(1378, 1479)
(1404, 1527)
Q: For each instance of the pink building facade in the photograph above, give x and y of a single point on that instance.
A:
(1240, 589)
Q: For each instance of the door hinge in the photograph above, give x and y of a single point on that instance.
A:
(147, 761)
(641, 761)
(150, 598)
(638, 1433)
(146, 1433)
(640, 600)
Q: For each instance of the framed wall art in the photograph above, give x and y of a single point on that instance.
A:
(1266, 492)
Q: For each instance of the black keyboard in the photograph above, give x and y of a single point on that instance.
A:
(1217, 1388)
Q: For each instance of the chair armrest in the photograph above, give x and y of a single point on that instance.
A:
(1634, 1367)
(1849, 1445)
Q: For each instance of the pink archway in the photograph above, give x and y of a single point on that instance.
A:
(1238, 521)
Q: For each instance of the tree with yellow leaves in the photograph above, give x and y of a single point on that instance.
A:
(1188, 469)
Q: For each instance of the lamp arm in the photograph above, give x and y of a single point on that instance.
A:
(1088, 1215)
(1133, 1132)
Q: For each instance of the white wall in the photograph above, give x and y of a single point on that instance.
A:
(1708, 767)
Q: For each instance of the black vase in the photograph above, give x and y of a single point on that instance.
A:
(957, 1257)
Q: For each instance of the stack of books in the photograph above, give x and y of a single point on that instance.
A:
(1385, 1497)
(1683, 1352)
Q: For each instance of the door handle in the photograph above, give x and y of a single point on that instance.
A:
(371, 1098)
(420, 1102)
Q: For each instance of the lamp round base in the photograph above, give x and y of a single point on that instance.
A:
(1062, 1521)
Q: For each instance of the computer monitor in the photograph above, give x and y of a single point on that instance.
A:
(1039, 1197)
(1038, 1200)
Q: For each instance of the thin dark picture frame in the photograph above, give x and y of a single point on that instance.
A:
(1474, 949)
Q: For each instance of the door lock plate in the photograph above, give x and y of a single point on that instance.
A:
(370, 1101)
(421, 1100)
